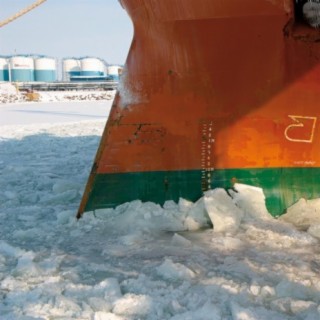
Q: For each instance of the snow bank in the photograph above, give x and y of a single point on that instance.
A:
(93, 95)
(10, 94)
(7, 88)
(221, 257)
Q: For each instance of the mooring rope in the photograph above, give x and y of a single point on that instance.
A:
(21, 13)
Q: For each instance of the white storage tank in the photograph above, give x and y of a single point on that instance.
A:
(45, 69)
(22, 68)
(92, 67)
(71, 67)
(4, 72)
(114, 72)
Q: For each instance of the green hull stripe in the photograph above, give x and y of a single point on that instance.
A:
(282, 186)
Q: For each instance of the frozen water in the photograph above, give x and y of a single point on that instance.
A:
(224, 214)
(303, 213)
(222, 257)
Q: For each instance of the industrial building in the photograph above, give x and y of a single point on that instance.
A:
(32, 68)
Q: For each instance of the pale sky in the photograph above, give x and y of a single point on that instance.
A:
(67, 28)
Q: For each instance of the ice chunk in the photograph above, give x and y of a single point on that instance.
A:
(224, 214)
(191, 224)
(184, 205)
(10, 283)
(133, 305)
(207, 312)
(131, 239)
(197, 216)
(60, 198)
(254, 313)
(303, 213)
(106, 316)
(67, 306)
(99, 305)
(2, 260)
(314, 230)
(63, 186)
(295, 290)
(267, 292)
(137, 216)
(170, 205)
(301, 307)
(64, 217)
(174, 271)
(281, 305)
(11, 195)
(178, 240)
(51, 265)
(175, 307)
(227, 243)
(252, 201)
(255, 289)
(28, 234)
(111, 289)
(26, 266)
(8, 250)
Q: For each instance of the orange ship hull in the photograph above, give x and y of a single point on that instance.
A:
(213, 92)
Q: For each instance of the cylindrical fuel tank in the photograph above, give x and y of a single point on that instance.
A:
(92, 67)
(71, 67)
(45, 69)
(4, 73)
(22, 68)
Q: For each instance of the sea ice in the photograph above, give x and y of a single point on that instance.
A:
(221, 257)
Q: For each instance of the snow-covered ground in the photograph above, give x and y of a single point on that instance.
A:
(51, 107)
(140, 260)
(25, 113)
(10, 94)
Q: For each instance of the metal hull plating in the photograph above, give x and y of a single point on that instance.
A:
(215, 93)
